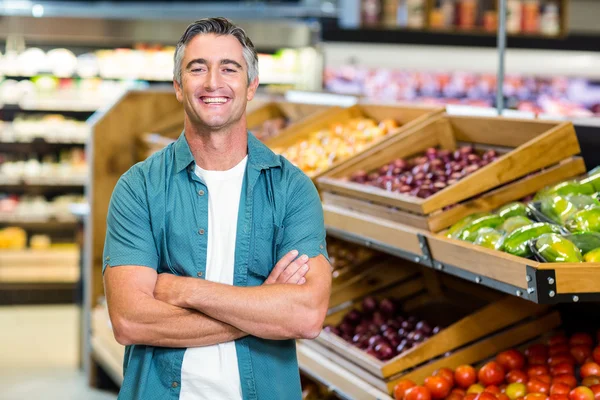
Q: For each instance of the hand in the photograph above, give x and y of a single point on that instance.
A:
(169, 288)
(289, 269)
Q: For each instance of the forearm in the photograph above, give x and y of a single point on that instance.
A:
(268, 311)
(155, 323)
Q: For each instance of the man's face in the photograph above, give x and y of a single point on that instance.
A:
(214, 86)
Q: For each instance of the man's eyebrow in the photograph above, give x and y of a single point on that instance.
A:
(228, 61)
(196, 61)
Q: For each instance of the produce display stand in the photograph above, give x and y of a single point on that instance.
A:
(408, 116)
(292, 112)
(524, 147)
(425, 265)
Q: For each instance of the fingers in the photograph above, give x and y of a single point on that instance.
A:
(299, 275)
(281, 266)
(292, 268)
(302, 281)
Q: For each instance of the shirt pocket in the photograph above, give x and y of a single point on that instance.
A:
(266, 240)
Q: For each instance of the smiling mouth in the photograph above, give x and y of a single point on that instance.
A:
(214, 100)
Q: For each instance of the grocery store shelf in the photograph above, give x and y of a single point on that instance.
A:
(39, 188)
(337, 378)
(43, 224)
(36, 146)
(39, 266)
(572, 42)
(527, 279)
(102, 353)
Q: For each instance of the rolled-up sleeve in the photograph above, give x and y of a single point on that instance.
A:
(129, 239)
(303, 224)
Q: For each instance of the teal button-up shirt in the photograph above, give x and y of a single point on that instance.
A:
(158, 218)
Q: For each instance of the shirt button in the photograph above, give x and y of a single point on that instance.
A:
(201, 192)
(201, 231)
(199, 274)
(107, 258)
(174, 385)
(321, 246)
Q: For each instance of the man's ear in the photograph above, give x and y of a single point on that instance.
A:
(252, 87)
(178, 91)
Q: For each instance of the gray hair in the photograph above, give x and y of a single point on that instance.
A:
(221, 27)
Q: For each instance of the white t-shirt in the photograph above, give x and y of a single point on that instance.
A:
(211, 372)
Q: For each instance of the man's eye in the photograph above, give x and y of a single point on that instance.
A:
(197, 70)
(230, 70)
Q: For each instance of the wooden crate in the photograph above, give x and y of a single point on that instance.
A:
(526, 146)
(408, 116)
(469, 316)
(292, 112)
(442, 219)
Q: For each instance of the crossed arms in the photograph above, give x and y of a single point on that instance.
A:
(167, 310)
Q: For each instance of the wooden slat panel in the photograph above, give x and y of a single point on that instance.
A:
(380, 211)
(489, 263)
(40, 258)
(575, 278)
(258, 116)
(371, 280)
(485, 348)
(487, 320)
(39, 274)
(507, 193)
(494, 131)
(391, 233)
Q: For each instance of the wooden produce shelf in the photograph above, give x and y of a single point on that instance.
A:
(39, 266)
(407, 116)
(524, 147)
(547, 283)
(470, 317)
(544, 283)
(313, 363)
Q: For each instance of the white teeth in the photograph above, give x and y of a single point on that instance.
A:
(214, 99)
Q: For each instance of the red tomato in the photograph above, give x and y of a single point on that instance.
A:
(455, 396)
(590, 368)
(486, 396)
(537, 360)
(517, 376)
(562, 348)
(596, 354)
(536, 396)
(581, 393)
(559, 397)
(568, 380)
(561, 358)
(470, 396)
(590, 381)
(537, 370)
(537, 386)
(558, 339)
(502, 396)
(447, 374)
(560, 388)
(438, 387)
(596, 391)
(581, 338)
(417, 393)
(460, 391)
(401, 388)
(544, 378)
(491, 373)
(537, 350)
(511, 359)
(563, 368)
(465, 376)
(492, 389)
(581, 352)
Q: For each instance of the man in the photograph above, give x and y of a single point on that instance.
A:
(215, 247)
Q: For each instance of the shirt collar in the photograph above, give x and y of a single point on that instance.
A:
(259, 156)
